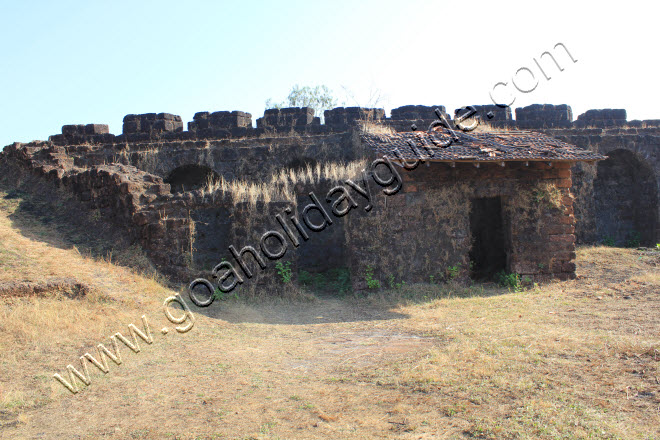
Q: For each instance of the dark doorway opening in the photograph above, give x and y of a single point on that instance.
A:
(190, 177)
(301, 163)
(488, 255)
(626, 200)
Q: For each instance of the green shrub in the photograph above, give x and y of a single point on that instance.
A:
(305, 278)
(609, 241)
(340, 279)
(369, 278)
(336, 279)
(510, 280)
(453, 272)
(222, 296)
(284, 271)
(314, 280)
(395, 285)
(634, 239)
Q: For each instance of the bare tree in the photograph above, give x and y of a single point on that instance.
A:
(320, 98)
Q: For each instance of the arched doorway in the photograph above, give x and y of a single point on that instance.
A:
(626, 200)
(190, 177)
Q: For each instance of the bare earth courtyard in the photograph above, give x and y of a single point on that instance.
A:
(566, 360)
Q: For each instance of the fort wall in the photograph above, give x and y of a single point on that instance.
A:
(150, 180)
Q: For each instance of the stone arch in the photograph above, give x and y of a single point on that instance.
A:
(190, 177)
(626, 199)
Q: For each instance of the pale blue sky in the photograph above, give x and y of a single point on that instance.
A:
(71, 62)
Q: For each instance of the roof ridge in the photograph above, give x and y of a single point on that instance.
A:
(493, 146)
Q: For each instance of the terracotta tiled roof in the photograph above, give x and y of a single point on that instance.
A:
(482, 146)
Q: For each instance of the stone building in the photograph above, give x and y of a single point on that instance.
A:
(494, 200)
(477, 204)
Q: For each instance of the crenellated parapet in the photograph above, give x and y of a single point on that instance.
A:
(412, 112)
(602, 118)
(419, 116)
(82, 133)
(152, 123)
(343, 118)
(487, 113)
(221, 119)
(544, 116)
(159, 180)
(278, 119)
(221, 124)
(302, 121)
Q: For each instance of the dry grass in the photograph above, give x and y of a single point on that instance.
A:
(572, 360)
(328, 171)
(485, 127)
(47, 325)
(243, 191)
(282, 183)
(371, 127)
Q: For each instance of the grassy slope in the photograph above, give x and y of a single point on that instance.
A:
(567, 360)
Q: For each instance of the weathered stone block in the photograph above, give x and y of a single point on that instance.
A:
(349, 116)
(91, 129)
(414, 112)
(603, 114)
(69, 130)
(131, 126)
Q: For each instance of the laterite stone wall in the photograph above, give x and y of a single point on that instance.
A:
(425, 228)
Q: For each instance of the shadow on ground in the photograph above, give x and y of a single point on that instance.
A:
(43, 214)
(285, 312)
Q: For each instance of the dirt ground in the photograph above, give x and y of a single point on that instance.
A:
(571, 360)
